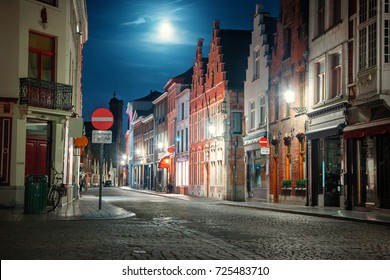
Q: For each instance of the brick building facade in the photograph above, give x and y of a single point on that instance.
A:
(216, 116)
(287, 119)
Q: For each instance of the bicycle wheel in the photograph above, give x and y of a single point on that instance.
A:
(53, 199)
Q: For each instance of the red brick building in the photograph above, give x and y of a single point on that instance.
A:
(287, 117)
(216, 116)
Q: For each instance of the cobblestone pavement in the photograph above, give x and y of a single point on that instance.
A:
(191, 229)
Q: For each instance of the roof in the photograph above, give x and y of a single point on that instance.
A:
(235, 49)
(151, 96)
(184, 78)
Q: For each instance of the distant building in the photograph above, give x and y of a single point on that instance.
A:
(141, 107)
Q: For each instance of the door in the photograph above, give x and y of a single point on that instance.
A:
(37, 148)
(36, 157)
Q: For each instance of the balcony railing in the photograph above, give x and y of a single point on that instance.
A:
(44, 94)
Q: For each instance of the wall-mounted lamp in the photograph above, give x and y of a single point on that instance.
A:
(290, 96)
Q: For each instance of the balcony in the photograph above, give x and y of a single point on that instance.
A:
(44, 94)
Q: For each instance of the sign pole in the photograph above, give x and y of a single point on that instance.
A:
(102, 119)
(101, 176)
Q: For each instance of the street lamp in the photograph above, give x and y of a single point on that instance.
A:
(290, 97)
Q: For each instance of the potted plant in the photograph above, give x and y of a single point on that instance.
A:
(286, 184)
(301, 184)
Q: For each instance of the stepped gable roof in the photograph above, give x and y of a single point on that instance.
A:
(151, 96)
(235, 49)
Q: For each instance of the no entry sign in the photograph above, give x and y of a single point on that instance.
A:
(102, 119)
(263, 142)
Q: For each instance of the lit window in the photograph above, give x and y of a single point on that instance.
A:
(41, 57)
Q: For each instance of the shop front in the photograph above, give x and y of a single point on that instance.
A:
(368, 165)
(326, 172)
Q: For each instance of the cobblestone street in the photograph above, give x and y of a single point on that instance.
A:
(191, 229)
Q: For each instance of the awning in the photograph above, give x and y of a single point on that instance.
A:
(367, 129)
(325, 132)
(164, 162)
(254, 138)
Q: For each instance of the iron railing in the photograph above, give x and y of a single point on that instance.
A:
(44, 94)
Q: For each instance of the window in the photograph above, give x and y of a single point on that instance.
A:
(288, 163)
(387, 6)
(256, 70)
(321, 17)
(367, 41)
(186, 139)
(182, 111)
(320, 94)
(237, 123)
(41, 60)
(252, 115)
(287, 42)
(262, 111)
(336, 76)
(336, 11)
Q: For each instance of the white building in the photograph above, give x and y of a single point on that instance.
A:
(328, 100)
(40, 92)
(256, 104)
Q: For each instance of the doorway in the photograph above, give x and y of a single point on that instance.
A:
(37, 148)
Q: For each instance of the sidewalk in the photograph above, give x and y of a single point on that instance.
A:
(87, 207)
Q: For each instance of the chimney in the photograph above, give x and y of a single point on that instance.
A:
(216, 24)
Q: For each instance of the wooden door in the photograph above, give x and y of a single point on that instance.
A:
(36, 157)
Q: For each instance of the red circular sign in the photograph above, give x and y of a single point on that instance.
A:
(102, 119)
(263, 142)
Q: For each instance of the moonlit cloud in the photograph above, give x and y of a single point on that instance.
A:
(138, 21)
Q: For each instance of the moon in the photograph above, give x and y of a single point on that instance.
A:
(166, 31)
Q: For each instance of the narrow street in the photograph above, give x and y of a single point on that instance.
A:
(187, 228)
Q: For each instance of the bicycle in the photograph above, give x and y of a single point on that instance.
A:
(55, 192)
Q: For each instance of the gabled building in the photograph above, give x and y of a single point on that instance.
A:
(216, 116)
(40, 93)
(287, 106)
(256, 104)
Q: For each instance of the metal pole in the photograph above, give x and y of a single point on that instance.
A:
(101, 176)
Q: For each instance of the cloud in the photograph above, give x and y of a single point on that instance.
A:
(138, 21)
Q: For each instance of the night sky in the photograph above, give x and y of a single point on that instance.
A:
(135, 46)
